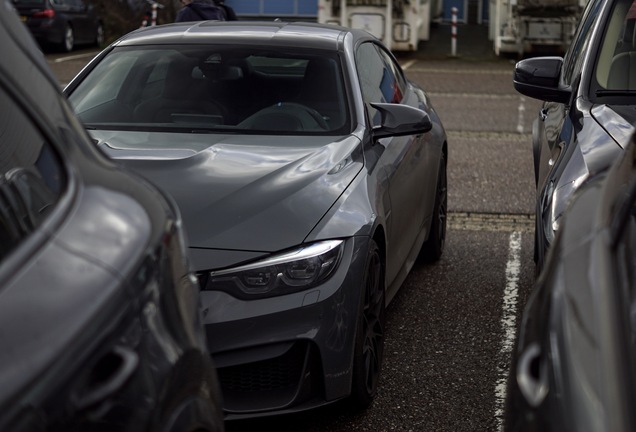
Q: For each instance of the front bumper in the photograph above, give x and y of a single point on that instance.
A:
(287, 353)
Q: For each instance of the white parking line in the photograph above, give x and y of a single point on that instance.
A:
(522, 110)
(508, 323)
(408, 64)
(75, 57)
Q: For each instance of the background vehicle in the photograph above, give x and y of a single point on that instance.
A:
(588, 114)
(101, 325)
(400, 24)
(575, 354)
(61, 24)
(306, 203)
(528, 26)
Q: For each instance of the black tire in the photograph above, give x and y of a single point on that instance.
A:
(369, 344)
(68, 40)
(433, 248)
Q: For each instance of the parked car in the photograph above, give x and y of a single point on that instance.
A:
(61, 24)
(588, 114)
(575, 355)
(310, 172)
(99, 309)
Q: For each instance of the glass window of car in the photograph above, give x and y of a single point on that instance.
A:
(614, 71)
(31, 176)
(380, 79)
(29, 2)
(104, 85)
(573, 61)
(203, 88)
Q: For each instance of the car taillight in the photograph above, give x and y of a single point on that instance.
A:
(46, 13)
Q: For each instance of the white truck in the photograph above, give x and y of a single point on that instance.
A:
(400, 24)
(524, 26)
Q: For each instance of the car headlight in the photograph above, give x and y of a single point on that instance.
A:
(288, 272)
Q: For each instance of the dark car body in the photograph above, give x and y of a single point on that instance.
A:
(574, 362)
(62, 24)
(99, 310)
(588, 114)
(310, 172)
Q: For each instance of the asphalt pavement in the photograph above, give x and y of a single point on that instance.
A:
(472, 44)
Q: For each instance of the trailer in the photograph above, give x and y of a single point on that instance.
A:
(526, 26)
(400, 24)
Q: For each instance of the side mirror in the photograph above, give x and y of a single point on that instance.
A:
(538, 78)
(398, 120)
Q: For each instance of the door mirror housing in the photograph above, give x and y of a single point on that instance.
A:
(399, 120)
(538, 78)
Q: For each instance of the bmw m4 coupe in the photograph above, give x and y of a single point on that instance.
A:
(311, 175)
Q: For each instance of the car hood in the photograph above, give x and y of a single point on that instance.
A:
(242, 192)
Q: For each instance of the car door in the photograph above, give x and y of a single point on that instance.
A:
(554, 129)
(410, 183)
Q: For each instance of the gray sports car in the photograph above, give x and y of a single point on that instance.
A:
(310, 173)
(588, 114)
(573, 367)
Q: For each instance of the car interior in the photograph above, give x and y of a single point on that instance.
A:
(619, 49)
(245, 91)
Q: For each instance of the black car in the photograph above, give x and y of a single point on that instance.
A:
(589, 109)
(311, 174)
(61, 24)
(100, 319)
(574, 363)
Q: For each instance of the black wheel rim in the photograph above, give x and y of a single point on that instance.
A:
(100, 36)
(69, 40)
(373, 321)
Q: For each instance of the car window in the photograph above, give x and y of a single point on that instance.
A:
(105, 83)
(614, 69)
(29, 2)
(378, 78)
(255, 90)
(31, 176)
(397, 80)
(574, 58)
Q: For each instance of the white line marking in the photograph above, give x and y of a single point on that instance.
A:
(522, 110)
(408, 64)
(75, 57)
(508, 323)
(460, 70)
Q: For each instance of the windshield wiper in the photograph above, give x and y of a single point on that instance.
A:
(617, 92)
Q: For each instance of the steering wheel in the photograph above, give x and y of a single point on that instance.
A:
(312, 112)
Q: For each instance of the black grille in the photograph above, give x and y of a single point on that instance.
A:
(283, 372)
(284, 381)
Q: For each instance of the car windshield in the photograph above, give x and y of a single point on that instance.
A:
(208, 88)
(616, 64)
(30, 2)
